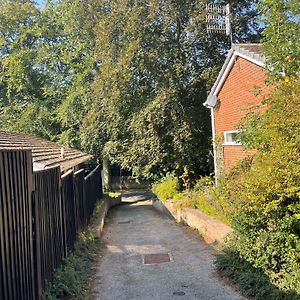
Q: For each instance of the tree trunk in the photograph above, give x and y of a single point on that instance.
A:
(106, 175)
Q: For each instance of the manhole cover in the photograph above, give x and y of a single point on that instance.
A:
(157, 258)
(124, 222)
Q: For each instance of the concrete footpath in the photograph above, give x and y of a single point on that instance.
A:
(151, 257)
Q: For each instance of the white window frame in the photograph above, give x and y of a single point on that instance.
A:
(234, 143)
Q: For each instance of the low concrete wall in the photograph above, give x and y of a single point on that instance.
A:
(107, 203)
(210, 229)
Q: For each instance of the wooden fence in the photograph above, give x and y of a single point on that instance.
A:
(49, 241)
(16, 233)
(69, 208)
(40, 215)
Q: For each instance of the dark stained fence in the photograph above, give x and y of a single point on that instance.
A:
(16, 236)
(69, 211)
(81, 213)
(87, 190)
(93, 190)
(49, 240)
(40, 215)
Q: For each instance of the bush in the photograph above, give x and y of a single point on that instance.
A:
(252, 281)
(203, 196)
(166, 188)
(266, 192)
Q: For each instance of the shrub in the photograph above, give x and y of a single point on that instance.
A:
(203, 196)
(266, 193)
(252, 281)
(167, 188)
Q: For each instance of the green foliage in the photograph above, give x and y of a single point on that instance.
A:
(73, 279)
(203, 196)
(166, 188)
(266, 191)
(252, 281)
(281, 36)
(46, 66)
(126, 79)
(156, 64)
(114, 194)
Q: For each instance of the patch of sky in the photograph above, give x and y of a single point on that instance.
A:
(40, 3)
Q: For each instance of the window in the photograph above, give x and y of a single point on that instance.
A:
(231, 137)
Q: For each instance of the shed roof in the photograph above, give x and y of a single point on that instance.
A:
(250, 52)
(45, 154)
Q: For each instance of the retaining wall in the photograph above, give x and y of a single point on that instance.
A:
(107, 203)
(210, 229)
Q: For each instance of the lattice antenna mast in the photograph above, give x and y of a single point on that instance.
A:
(218, 19)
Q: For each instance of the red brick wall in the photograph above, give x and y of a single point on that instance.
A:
(236, 98)
(233, 154)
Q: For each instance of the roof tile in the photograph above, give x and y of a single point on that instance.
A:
(45, 153)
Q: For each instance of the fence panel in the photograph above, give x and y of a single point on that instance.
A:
(16, 236)
(48, 223)
(79, 191)
(93, 190)
(69, 211)
(40, 215)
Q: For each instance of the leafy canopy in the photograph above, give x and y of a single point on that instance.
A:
(46, 67)
(281, 36)
(156, 65)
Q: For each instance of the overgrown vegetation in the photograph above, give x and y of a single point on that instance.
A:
(203, 196)
(266, 192)
(265, 189)
(252, 281)
(74, 278)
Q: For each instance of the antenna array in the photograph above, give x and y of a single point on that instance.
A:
(218, 18)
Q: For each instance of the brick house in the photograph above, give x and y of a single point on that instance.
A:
(231, 97)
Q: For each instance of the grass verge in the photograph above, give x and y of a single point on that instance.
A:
(73, 280)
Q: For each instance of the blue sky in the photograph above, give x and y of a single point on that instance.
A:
(39, 2)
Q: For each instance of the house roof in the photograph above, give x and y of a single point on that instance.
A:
(45, 154)
(250, 52)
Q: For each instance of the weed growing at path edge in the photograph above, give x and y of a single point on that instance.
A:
(73, 280)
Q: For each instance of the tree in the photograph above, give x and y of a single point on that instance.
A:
(156, 65)
(21, 83)
(281, 37)
(46, 67)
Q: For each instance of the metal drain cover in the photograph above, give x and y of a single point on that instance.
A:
(157, 258)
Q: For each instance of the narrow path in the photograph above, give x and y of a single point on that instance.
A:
(135, 230)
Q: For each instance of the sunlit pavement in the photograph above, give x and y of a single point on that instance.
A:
(183, 268)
